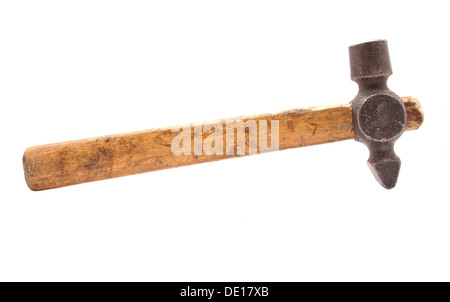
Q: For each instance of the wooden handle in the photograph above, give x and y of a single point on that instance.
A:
(74, 162)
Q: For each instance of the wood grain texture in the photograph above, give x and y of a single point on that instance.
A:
(74, 162)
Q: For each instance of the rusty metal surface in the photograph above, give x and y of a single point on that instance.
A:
(379, 115)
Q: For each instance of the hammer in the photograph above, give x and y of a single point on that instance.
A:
(376, 117)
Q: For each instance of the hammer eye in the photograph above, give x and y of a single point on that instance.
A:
(382, 117)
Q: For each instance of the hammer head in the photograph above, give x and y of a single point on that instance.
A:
(379, 115)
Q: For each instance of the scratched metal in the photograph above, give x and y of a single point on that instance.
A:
(379, 115)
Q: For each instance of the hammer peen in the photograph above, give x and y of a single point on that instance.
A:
(376, 117)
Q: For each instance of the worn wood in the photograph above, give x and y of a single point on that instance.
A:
(68, 163)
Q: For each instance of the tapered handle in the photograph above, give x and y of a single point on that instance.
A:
(74, 162)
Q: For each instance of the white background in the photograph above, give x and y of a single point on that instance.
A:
(77, 69)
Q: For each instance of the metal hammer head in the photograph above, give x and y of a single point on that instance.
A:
(379, 115)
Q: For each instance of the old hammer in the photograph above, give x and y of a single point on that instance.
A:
(376, 117)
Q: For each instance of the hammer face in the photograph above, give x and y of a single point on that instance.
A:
(379, 115)
(370, 59)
